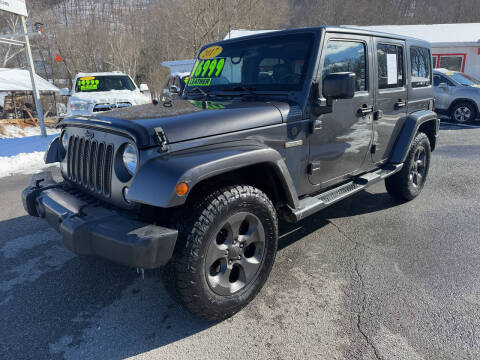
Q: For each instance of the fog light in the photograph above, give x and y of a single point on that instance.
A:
(125, 194)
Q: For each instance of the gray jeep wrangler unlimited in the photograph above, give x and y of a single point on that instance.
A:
(272, 126)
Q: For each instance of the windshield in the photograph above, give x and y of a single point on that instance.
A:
(104, 83)
(265, 64)
(463, 79)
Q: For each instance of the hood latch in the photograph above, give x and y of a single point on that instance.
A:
(161, 138)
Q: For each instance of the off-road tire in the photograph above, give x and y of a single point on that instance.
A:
(401, 185)
(464, 105)
(186, 274)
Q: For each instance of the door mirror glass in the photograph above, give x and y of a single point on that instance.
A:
(339, 85)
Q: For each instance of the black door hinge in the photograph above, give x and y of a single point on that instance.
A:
(373, 149)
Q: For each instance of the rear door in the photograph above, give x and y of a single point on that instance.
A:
(390, 94)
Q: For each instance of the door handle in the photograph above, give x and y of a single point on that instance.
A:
(365, 110)
(316, 125)
(400, 104)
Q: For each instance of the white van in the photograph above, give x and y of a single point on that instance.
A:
(98, 92)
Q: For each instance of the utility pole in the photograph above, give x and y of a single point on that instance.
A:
(31, 66)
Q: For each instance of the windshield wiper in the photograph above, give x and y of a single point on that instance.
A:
(249, 90)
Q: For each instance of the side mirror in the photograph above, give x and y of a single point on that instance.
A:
(339, 85)
(64, 92)
(174, 89)
(144, 88)
(443, 86)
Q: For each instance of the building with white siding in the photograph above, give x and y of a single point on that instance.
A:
(454, 46)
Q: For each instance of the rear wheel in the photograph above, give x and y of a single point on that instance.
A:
(407, 184)
(225, 252)
(463, 112)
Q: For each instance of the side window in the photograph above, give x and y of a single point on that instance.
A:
(443, 79)
(421, 66)
(390, 66)
(436, 80)
(349, 56)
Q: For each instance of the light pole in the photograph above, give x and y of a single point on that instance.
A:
(31, 66)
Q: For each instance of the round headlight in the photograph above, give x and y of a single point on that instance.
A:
(130, 159)
(64, 139)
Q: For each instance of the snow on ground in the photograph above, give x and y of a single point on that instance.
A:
(22, 150)
(12, 131)
(22, 164)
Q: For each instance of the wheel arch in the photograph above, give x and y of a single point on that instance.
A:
(265, 176)
(461, 100)
(425, 121)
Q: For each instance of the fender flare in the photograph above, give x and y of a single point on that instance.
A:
(156, 180)
(408, 132)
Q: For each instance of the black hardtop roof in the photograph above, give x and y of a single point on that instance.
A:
(326, 28)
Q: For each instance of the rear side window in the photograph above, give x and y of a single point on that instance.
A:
(421, 66)
(390, 66)
(347, 56)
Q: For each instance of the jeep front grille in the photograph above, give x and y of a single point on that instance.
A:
(89, 164)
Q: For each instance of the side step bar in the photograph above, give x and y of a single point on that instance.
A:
(311, 204)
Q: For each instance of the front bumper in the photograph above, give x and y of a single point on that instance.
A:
(88, 228)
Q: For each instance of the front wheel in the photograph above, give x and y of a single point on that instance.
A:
(407, 184)
(225, 252)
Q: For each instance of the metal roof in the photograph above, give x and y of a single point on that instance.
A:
(19, 80)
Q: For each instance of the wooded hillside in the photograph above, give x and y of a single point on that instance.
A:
(135, 36)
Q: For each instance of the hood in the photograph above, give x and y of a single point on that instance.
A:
(107, 97)
(183, 120)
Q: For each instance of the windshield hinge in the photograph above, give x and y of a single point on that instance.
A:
(161, 138)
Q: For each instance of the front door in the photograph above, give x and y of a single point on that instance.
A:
(444, 94)
(390, 95)
(341, 139)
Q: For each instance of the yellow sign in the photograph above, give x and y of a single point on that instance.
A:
(449, 73)
(88, 78)
(210, 52)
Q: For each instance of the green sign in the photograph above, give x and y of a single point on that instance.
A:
(86, 85)
(205, 70)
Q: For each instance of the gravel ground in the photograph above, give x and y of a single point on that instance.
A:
(367, 278)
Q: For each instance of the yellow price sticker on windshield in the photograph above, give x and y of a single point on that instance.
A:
(210, 52)
(88, 84)
(88, 78)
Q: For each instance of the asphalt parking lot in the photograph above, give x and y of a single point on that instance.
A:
(367, 278)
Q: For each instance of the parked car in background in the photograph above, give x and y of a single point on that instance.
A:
(97, 92)
(175, 85)
(456, 95)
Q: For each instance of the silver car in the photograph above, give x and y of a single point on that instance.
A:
(456, 95)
